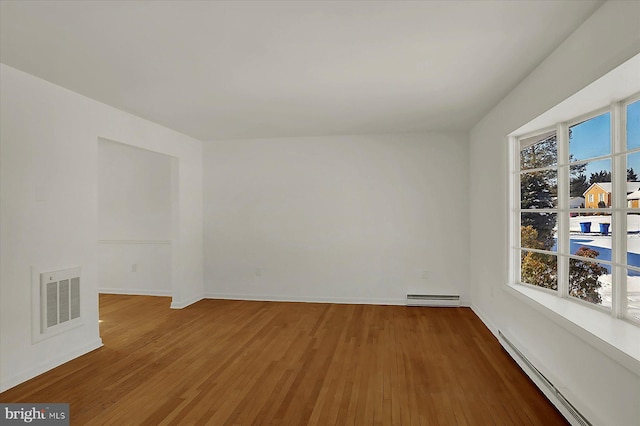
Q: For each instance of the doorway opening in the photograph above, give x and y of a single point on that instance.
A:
(137, 220)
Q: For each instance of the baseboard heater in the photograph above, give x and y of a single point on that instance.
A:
(439, 300)
(555, 396)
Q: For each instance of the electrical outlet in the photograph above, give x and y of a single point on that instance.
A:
(134, 267)
(258, 272)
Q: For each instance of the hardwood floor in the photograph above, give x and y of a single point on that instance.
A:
(223, 362)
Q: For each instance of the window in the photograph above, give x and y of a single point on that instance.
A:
(588, 253)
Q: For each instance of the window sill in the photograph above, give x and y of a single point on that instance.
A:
(616, 338)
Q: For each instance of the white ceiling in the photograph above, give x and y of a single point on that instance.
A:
(228, 70)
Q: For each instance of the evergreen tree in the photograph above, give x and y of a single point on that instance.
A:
(538, 189)
(578, 185)
(601, 176)
(536, 194)
(631, 175)
(540, 154)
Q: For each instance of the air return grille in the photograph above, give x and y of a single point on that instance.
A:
(60, 298)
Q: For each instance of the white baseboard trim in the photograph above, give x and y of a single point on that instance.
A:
(184, 303)
(49, 365)
(303, 299)
(485, 319)
(135, 291)
(464, 303)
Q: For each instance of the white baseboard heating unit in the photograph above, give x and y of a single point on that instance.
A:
(553, 394)
(436, 300)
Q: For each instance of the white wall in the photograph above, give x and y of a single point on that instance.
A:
(600, 387)
(344, 218)
(49, 210)
(134, 193)
(134, 220)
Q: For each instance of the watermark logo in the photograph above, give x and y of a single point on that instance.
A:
(34, 414)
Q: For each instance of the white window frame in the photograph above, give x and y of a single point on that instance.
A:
(619, 209)
(611, 331)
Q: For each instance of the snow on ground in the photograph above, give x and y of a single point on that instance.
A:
(604, 241)
(633, 294)
(633, 223)
(595, 239)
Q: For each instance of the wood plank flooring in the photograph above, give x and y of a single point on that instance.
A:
(223, 362)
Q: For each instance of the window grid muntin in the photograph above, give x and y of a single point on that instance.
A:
(589, 259)
(563, 204)
(587, 160)
(533, 250)
(538, 170)
(620, 233)
(604, 210)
